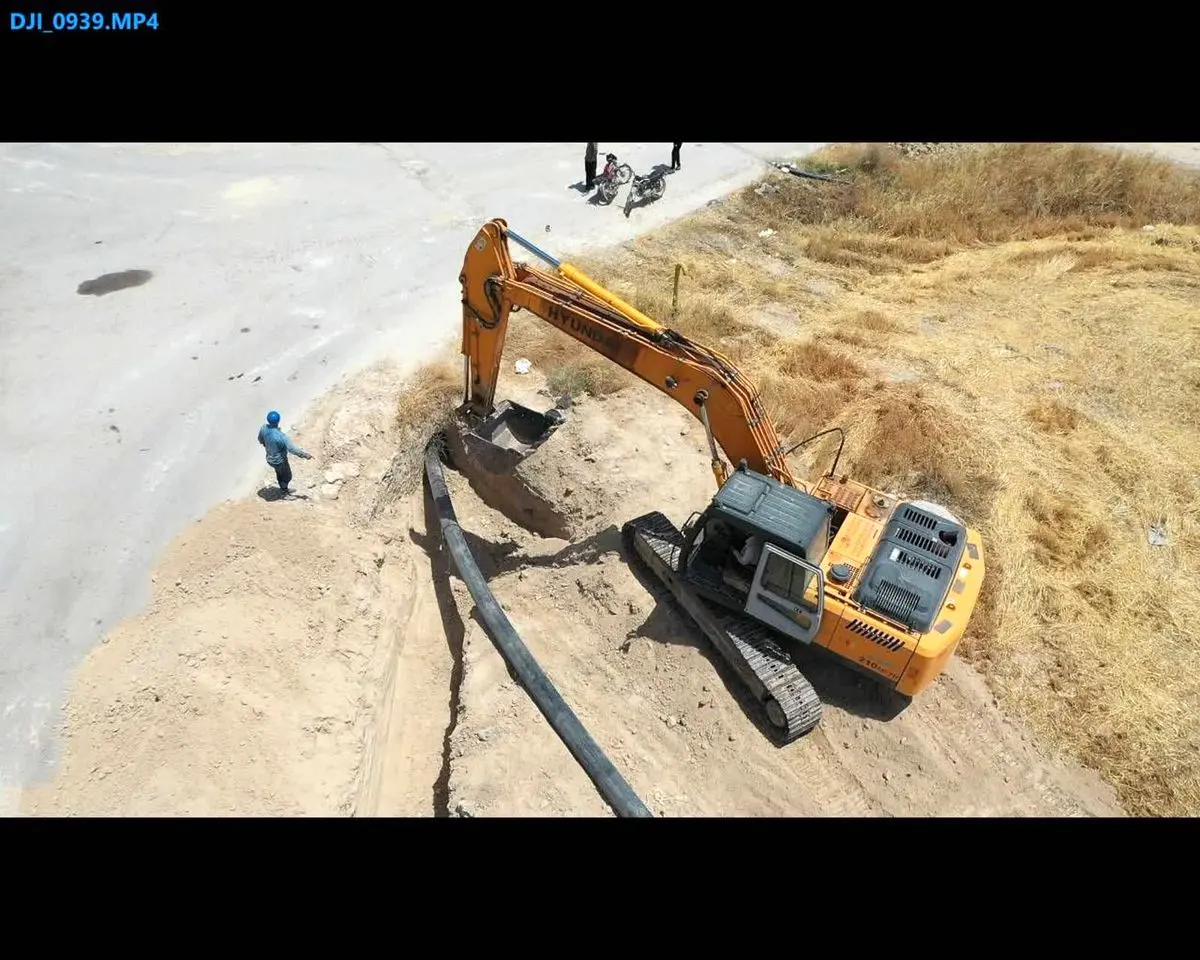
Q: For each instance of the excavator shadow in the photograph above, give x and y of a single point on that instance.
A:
(836, 685)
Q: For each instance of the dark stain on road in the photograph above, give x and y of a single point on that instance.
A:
(112, 282)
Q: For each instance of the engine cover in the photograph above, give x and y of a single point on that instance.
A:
(913, 567)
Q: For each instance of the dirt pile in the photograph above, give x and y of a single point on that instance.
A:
(670, 715)
(255, 680)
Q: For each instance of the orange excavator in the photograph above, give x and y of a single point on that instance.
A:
(886, 586)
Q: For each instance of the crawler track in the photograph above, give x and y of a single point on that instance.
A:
(752, 649)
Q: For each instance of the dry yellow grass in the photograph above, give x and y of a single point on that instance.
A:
(425, 406)
(994, 328)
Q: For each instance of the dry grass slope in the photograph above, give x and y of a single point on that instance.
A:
(1012, 330)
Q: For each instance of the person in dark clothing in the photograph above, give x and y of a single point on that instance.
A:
(278, 446)
(589, 166)
(675, 155)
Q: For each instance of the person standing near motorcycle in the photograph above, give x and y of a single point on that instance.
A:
(675, 155)
(589, 167)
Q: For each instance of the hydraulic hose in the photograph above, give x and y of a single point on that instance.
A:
(612, 786)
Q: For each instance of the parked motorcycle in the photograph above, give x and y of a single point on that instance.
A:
(612, 178)
(648, 188)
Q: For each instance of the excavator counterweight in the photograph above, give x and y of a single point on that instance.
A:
(772, 564)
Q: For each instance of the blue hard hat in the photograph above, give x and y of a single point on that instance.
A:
(273, 417)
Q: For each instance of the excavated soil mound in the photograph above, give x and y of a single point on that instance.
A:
(317, 656)
(655, 696)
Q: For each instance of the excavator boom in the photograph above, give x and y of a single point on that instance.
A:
(702, 380)
(894, 583)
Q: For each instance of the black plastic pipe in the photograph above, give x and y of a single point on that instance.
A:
(612, 786)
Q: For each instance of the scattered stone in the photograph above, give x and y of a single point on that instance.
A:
(672, 722)
(846, 744)
(333, 475)
(1157, 535)
(564, 402)
(887, 776)
(179, 583)
(732, 738)
(330, 491)
(523, 366)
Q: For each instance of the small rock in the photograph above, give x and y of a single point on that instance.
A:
(482, 735)
(672, 722)
(886, 776)
(330, 491)
(705, 688)
(179, 582)
(683, 431)
(564, 402)
(523, 366)
(333, 475)
(732, 738)
(903, 741)
(846, 744)
(462, 810)
(920, 768)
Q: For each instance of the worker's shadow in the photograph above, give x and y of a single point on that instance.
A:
(837, 685)
(271, 494)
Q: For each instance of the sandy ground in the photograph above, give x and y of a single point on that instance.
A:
(269, 272)
(670, 715)
(314, 656)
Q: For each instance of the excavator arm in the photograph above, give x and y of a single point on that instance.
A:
(700, 379)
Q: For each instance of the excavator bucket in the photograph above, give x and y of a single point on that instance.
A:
(501, 441)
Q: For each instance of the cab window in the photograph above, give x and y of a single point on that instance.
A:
(785, 579)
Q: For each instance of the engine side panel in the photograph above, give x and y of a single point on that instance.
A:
(913, 567)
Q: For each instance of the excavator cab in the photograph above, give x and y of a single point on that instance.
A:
(758, 548)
